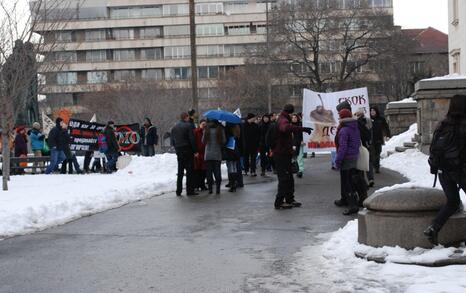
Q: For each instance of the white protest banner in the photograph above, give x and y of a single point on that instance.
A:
(47, 123)
(319, 112)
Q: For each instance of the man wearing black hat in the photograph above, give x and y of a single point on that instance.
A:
(113, 147)
(282, 154)
(252, 136)
(56, 142)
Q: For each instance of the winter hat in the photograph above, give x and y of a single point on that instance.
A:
(288, 108)
(250, 116)
(344, 105)
(345, 113)
(360, 112)
(36, 125)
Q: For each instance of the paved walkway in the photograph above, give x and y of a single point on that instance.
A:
(227, 243)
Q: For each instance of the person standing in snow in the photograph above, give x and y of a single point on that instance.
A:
(71, 159)
(365, 129)
(252, 135)
(37, 143)
(214, 140)
(448, 160)
(298, 145)
(347, 142)
(149, 138)
(182, 138)
(56, 142)
(199, 162)
(21, 145)
(283, 154)
(380, 131)
(113, 148)
(263, 148)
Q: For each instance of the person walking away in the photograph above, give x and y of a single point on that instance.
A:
(448, 160)
(56, 143)
(71, 159)
(182, 137)
(37, 143)
(113, 148)
(380, 130)
(298, 145)
(283, 152)
(214, 140)
(347, 141)
(252, 137)
(199, 162)
(21, 146)
(149, 138)
(263, 148)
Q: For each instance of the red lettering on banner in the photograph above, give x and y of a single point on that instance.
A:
(76, 132)
(320, 145)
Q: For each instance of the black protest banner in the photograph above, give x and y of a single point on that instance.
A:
(128, 137)
(84, 134)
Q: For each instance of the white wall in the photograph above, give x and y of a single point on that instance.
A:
(457, 34)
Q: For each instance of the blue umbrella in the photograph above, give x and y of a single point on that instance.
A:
(222, 116)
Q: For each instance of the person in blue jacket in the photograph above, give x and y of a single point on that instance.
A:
(37, 139)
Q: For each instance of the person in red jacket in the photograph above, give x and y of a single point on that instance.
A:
(199, 163)
(283, 153)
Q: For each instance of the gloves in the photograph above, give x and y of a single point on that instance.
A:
(308, 130)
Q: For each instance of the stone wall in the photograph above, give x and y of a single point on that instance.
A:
(400, 116)
(433, 99)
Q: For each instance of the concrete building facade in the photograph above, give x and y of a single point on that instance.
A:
(457, 36)
(109, 42)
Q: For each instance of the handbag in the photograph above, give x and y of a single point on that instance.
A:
(363, 159)
(45, 149)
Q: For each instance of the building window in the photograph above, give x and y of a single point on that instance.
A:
(417, 67)
(211, 50)
(152, 74)
(382, 3)
(151, 54)
(210, 30)
(181, 52)
(97, 77)
(177, 73)
(175, 10)
(96, 56)
(136, 12)
(455, 19)
(65, 56)
(234, 50)
(176, 30)
(64, 37)
(95, 35)
(64, 78)
(123, 34)
(207, 72)
(239, 6)
(244, 29)
(124, 55)
(209, 8)
(150, 32)
(208, 93)
(124, 75)
(456, 61)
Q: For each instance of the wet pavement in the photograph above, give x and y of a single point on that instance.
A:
(208, 243)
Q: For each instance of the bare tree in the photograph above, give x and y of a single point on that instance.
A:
(132, 101)
(327, 46)
(20, 47)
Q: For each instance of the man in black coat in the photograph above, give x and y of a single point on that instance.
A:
(113, 147)
(149, 138)
(56, 142)
(182, 138)
(380, 130)
(71, 159)
(252, 136)
(263, 148)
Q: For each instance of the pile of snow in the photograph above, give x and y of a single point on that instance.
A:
(36, 202)
(448, 77)
(404, 101)
(343, 272)
(398, 140)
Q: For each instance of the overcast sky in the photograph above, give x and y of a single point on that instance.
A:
(421, 14)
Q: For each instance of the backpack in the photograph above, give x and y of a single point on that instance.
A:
(102, 143)
(271, 136)
(446, 149)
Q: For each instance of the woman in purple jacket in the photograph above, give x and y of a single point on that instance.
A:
(348, 140)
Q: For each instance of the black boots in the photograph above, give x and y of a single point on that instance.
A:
(353, 207)
(432, 234)
(232, 182)
(341, 202)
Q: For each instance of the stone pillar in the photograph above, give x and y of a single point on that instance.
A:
(401, 115)
(433, 99)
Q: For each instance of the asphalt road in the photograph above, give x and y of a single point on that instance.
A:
(227, 243)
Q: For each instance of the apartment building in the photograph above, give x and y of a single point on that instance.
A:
(108, 42)
(457, 36)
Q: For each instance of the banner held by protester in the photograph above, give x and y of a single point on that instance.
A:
(319, 112)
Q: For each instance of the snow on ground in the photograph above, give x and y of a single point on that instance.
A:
(404, 101)
(344, 272)
(448, 77)
(36, 202)
(398, 140)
